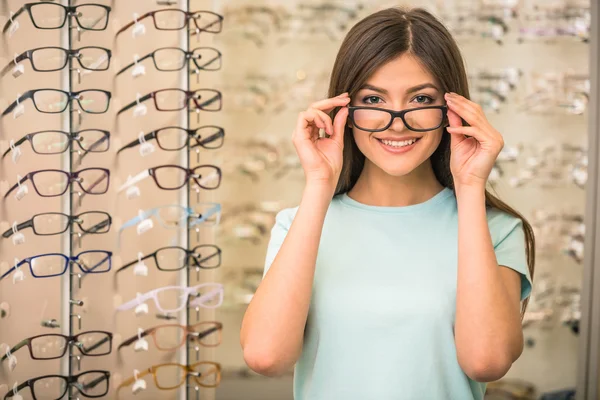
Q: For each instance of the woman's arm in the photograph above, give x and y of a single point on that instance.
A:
(488, 332)
(273, 326)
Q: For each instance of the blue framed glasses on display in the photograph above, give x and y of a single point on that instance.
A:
(55, 264)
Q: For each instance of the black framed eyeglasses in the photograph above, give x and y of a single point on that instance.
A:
(375, 119)
(54, 101)
(56, 142)
(172, 19)
(52, 345)
(55, 182)
(174, 258)
(45, 15)
(173, 138)
(174, 59)
(179, 99)
(56, 223)
(48, 59)
(92, 384)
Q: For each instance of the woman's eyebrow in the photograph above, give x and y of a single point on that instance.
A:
(413, 89)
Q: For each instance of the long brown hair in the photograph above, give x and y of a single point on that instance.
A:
(378, 39)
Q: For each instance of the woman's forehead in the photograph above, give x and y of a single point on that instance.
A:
(400, 74)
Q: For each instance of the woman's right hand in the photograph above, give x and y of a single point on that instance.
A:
(321, 158)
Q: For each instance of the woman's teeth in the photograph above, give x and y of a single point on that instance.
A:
(398, 144)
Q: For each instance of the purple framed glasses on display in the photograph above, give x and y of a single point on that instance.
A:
(55, 182)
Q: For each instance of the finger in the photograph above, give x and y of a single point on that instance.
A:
(339, 126)
(305, 120)
(329, 104)
(326, 119)
(467, 110)
(454, 119)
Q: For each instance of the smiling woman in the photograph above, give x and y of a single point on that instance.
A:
(397, 259)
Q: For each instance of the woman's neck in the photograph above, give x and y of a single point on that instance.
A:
(376, 187)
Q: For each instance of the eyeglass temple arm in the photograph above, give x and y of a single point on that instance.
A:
(99, 263)
(13, 268)
(135, 262)
(148, 136)
(203, 217)
(16, 185)
(19, 345)
(130, 24)
(14, 62)
(19, 388)
(15, 15)
(208, 102)
(211, 138)
(97, 143)
(91, 384)
(133, 63)
(17, 143)
(27, 95)
(135, 102)
(97, 344)
(136, 179)
(21, 226)
(135, 337)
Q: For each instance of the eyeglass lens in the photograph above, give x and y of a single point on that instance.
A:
(175, 99)
(49, 388)
(417, 119)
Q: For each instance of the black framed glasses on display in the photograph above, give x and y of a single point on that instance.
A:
(51, 346)
(173, 138)
(92, 384)
(55, 182)
(54, 101)
(172, 19)
(173, 177)
(55, 264)
(56, 223)
(179, 99)
(375, 119)
(175, 59)
(46, 15)
(175, 258)
(48, 59)
(56, 142)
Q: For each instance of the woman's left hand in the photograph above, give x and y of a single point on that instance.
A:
(471, 158)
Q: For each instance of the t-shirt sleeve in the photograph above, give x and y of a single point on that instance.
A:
(508, 238)
(283, 221)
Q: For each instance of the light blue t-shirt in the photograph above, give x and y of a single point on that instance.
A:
(381, 319)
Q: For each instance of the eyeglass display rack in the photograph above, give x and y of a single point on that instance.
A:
(77, 302)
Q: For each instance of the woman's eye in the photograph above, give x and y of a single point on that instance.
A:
(371, 100)
(423, 99)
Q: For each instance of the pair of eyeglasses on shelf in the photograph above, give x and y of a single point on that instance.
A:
(56, 142)
(52, 346)
(54, 101)
(175, 258)
(173, 177)
(49, 59)
(46, 15)
(170, 337)
(55, 223)
(91, 384)
(171, 299)
(55, 182)
(175, 59)
(56, 264)
(172, 19)
(173, 138)
(177, 100)
(170, 376)
(176, 216)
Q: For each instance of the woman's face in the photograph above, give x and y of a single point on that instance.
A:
(401, 84)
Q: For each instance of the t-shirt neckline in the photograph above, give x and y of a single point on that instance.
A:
(427, 204)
